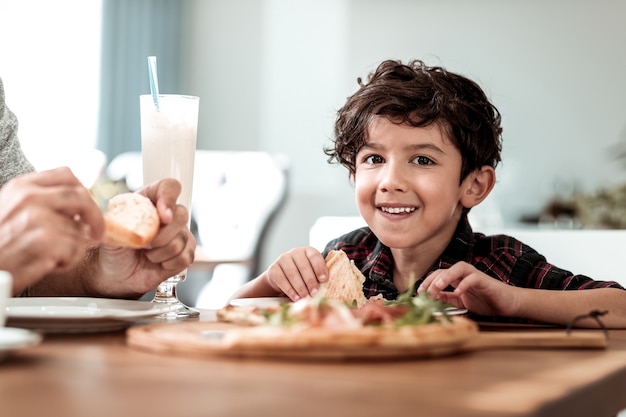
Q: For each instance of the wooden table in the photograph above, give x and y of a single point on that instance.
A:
(99, 375)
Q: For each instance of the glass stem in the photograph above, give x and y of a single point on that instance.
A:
(166, 292)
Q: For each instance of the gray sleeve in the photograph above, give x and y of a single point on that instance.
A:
(13, 162)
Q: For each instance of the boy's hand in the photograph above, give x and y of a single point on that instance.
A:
(297, 273)
(473, 290)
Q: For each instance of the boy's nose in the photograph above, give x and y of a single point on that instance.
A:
(393, 178)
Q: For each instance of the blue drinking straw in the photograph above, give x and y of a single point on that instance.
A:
(154, 80)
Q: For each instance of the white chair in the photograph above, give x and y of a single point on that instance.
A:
(235, 196)
(234, 200)
(327, 228)
(88, 164)
(592, 252)
(595, 253)
(127, 167)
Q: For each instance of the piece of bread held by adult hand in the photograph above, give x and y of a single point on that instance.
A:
(131, 220)
(345, 281)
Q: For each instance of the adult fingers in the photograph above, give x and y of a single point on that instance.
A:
(58, 190)
(37, 251)
(172, 229)
(164, 194)
(177, 255)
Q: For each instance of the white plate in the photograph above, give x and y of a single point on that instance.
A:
(12, 339)
(79, 314)
(453, 311)
(259, 302)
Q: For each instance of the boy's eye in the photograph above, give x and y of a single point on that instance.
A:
(422, 160)
(374, 159)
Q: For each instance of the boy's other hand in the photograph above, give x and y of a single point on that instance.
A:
(473, 290)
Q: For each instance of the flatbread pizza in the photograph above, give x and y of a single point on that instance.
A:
(321, 328)
(345, 280)
(340, 322)
(337, 328)
(345, 283)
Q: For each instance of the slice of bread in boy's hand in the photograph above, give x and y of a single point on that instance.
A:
(131, 220)
(345, 281)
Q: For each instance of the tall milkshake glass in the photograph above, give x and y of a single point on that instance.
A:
(168, 145)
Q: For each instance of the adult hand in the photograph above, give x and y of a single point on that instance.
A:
(45, 219)
(473, 289)
(129, 273)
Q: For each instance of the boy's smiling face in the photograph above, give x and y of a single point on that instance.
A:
(408, 186)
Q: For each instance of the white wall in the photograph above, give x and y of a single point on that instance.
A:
(274, 72)
(50, 67)
(553, 68)
(270, 75)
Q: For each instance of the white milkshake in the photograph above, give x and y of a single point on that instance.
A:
(169, 126)
(168, 140)
(168, 147)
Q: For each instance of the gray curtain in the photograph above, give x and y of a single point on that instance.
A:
(132, 30)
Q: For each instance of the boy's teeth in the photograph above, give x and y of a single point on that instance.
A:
(396, 210)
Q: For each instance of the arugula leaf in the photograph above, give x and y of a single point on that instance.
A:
(421, 308)
(280, 317)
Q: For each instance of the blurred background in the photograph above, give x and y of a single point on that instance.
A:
(272, 73)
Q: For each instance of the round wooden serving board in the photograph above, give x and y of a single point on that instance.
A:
(212, 338)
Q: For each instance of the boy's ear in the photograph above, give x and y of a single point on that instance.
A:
(477, 186)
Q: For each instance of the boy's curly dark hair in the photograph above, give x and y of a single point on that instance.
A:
(418, 95)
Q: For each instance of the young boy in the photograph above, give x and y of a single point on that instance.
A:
(421, 145)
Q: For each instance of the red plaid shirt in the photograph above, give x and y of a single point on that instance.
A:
(501, 257)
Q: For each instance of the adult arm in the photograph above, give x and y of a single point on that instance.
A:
(12, 159)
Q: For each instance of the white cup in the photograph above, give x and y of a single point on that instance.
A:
(5, 293)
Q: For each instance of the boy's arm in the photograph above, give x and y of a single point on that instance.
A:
(258, 287)
(562, 307)
(484, 295)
